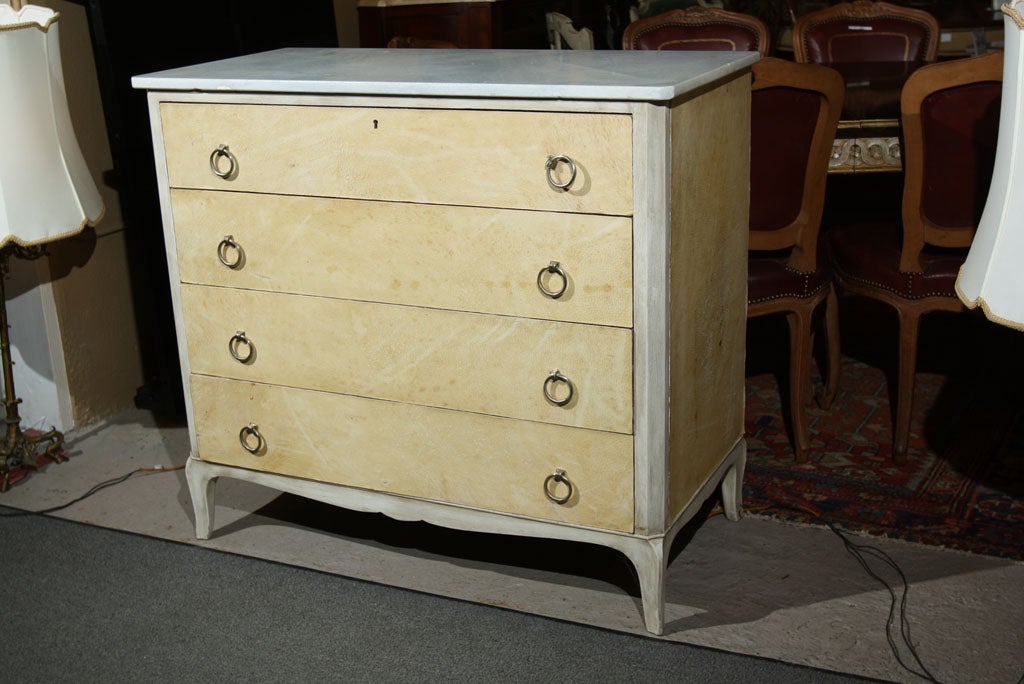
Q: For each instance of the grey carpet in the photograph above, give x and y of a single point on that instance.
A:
(87, 604)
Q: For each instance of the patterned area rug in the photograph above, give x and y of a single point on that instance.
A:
(963, 487)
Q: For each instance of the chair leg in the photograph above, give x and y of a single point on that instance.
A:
(799, 370)
(831, 387)
(909, 326)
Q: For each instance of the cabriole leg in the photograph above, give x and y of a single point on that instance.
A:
(732, 484)
(201, 487)
(648, 557)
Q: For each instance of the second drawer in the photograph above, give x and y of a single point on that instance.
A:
(471, 259)
(563, 373)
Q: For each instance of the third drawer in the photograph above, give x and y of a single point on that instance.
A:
(498, 365)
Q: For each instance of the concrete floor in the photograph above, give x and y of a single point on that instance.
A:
(759, 587)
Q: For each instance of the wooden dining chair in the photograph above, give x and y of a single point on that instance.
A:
(795, 110)
(562, 35)
(865, 31)
(698, 28)
(950, 115)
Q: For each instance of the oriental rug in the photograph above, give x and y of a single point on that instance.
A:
(963, 485)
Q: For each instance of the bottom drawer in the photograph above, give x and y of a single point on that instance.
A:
(469, 459)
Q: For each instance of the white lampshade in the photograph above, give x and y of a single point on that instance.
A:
(993, 275)
(46, 190)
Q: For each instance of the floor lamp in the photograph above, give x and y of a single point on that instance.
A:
(993, 275)
(46, 190)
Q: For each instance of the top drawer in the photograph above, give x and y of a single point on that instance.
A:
(437, 156)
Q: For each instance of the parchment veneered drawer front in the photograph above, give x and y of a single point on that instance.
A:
(489, 364)
(463, 258)
(474, 158)
(462, 458)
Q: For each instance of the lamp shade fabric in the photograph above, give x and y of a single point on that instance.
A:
(46, 190)
(992, 277)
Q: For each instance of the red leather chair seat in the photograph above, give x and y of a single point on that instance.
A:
(769, 277)
(869, 253)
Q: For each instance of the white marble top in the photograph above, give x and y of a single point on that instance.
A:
(639, 75)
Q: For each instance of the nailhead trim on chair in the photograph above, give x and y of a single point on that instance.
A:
(786, 295)
(910, 285)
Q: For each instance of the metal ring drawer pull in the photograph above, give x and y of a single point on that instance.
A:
(556, 376)
(558, 477)
(223, 249)
(550, 165)
(251, 430)
(235, 344)
(222, 152)
(553, 267)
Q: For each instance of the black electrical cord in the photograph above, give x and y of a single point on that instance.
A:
(898, 602)
(93, 490)
(858, 551)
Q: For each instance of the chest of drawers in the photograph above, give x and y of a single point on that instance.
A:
(495, 291)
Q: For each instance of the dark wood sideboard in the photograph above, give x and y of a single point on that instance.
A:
(495, 24)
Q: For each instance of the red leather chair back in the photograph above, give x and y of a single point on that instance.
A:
(795, 109)
(950, 119)
(783, 121)
(959, 129)
(865, 31)
(698, 28)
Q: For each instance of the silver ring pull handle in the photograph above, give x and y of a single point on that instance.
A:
(235, 345)
(554, 268)
(558, 477)
(222, 152)
(555, 377)
(550, 165)
(245, 435)
(225, 249)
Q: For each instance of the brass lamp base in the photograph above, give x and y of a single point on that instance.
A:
(19, 448)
